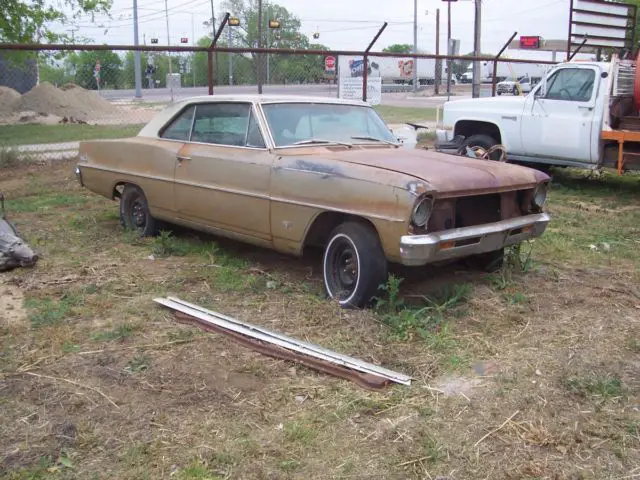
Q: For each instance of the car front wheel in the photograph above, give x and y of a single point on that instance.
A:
(354, 265)
(134, 212)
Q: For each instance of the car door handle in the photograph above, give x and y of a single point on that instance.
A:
(585, 107)
(182, 158)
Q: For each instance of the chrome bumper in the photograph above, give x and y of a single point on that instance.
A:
(78, 175)
(418, 250)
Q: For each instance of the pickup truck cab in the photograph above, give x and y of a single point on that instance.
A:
(570, 118)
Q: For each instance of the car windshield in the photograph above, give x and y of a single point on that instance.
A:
(317, 123)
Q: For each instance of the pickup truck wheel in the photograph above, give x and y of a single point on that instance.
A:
(515, 90)
(134, 212)
(354, 265)
(488, 262)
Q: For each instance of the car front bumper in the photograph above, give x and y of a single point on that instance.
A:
(416, 250)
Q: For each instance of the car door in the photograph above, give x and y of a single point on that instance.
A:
(561, 121)
(223, 172)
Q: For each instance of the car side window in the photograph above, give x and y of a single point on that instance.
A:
(180, 127)
(221, 123)
(254, 137)
(571, 84)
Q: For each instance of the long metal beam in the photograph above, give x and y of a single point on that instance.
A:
(283, 341)
(283, 51)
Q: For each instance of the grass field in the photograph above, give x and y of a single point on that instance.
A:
(392, 114)
(529, 373)
(25, 134)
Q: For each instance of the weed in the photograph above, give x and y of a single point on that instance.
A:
(165, 245)
(289, 465)
(601, 386)
(517, 298)
(8, 157)
(196, 470)
(132, 237)
(120, 333)
(518, 258)
(500, 281)
(406, 321)
(70, 347)
(138, 364)
(295, 432)
(633, 344)
(47, 312)
(394, 302)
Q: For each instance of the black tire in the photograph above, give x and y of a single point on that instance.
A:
(353, 265)
(134, 212)
(515, 91)
(499, 93)
(487, 262)
(481, 140)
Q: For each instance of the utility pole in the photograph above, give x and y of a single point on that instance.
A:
(136, 55)
(166, 13)
(415, 45)
(193, 55)
(230, 55)
(268, 41)
(476, 49)
(259, 69)
(213, 34)
(436, 88)
(448, 49)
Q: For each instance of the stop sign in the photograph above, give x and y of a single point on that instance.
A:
(330, 63)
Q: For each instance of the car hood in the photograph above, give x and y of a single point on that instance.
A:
(448, 175)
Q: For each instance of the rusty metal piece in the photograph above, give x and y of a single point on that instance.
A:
(14, 251)
(373, 376)
(368, 381)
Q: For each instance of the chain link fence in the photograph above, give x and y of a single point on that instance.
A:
(52, 99)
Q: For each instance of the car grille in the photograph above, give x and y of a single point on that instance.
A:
(474, 210)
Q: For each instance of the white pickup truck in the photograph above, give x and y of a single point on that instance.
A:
(581, 114)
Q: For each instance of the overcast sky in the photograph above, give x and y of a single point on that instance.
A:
(347, 24)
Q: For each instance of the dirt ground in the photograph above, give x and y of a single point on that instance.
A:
(535, 373)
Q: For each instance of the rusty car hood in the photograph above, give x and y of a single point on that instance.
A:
(446, 174)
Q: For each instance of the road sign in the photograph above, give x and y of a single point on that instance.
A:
(154, 40)
(330, 63)
(184, 40)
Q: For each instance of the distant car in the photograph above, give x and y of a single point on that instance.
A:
(294, 172)
(523, 85)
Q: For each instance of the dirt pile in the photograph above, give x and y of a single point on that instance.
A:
(9, 100)
(71, 101)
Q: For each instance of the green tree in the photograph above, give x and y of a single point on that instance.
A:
(282, 68)
(27, 21)
(83, 64)
(399, 48)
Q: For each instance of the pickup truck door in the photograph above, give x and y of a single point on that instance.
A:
(561, 123)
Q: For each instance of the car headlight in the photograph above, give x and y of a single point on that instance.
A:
(422, 211)
(540, 195)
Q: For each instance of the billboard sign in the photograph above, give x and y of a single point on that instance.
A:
(603, 24)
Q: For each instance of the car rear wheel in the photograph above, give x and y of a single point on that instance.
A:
(134, 212)
(354, 265)
(515, 90)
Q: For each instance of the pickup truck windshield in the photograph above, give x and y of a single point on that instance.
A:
(297, 123)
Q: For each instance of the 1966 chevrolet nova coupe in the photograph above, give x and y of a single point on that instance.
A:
(295, 172)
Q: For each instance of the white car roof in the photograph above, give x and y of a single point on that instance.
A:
(152, 128)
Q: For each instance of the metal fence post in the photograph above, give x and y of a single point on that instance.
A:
(365, 57)
(212, 47)
(495, 64)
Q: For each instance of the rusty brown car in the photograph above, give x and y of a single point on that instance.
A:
(295, 172)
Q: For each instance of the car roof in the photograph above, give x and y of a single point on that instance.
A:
(153, 127)
(271, 98)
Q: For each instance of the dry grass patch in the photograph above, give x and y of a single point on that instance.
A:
(519, 374)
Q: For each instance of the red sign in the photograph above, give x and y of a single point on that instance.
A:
(530, 42)
(330, 63)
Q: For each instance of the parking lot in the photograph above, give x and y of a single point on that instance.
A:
(530, 372)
